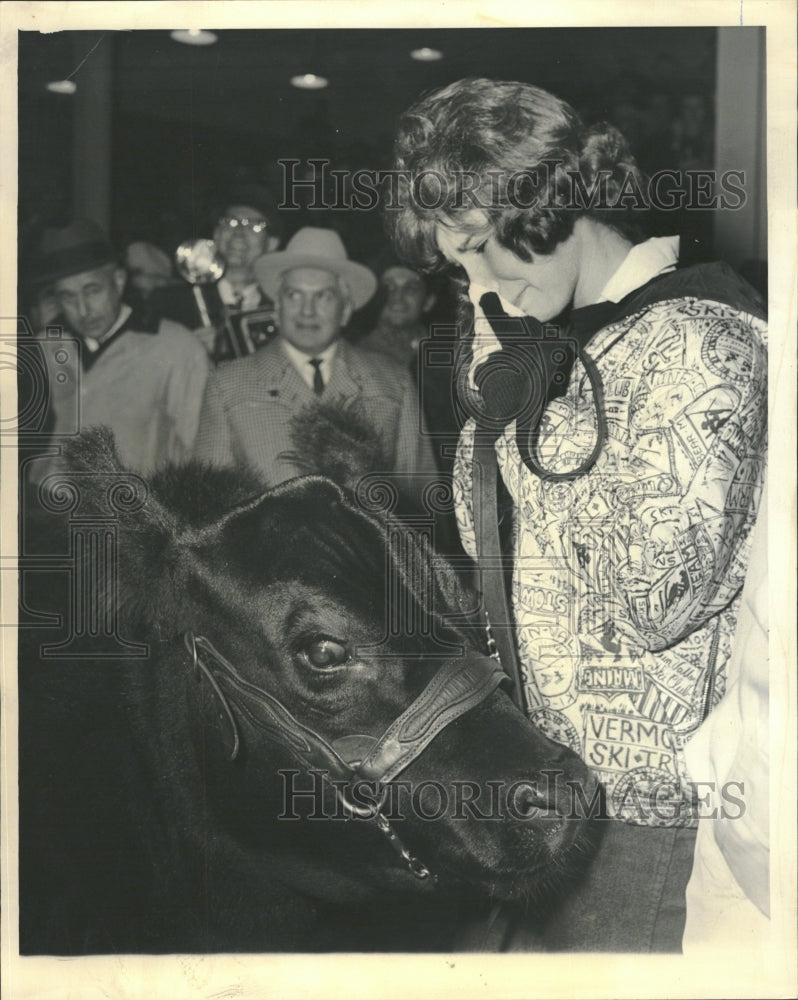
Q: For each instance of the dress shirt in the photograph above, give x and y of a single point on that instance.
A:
(301, 361)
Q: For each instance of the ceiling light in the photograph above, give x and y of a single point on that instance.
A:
(62, 86)
(309, 81)
(426, 55)
(194, 36)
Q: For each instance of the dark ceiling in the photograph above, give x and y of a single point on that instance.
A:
(186, 118)
(242, 82)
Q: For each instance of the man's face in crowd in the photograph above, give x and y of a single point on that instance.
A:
(406, 298)
(146, 282)
(312, 309)
(91, 300)
(242, 235)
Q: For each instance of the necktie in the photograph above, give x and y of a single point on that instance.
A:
(318, 381)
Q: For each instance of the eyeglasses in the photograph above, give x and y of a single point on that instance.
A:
(234, 222)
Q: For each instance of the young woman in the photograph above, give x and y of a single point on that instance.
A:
(626, 409)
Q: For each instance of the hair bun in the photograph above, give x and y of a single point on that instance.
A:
(605, 148)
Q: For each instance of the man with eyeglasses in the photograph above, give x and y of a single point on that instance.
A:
(246, 226)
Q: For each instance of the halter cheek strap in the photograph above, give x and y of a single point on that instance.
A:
(460, 685)
(456, 688)
(260, 711)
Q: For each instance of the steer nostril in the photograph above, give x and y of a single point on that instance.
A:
(529, 806)
(526, 800)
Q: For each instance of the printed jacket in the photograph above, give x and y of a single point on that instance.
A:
(626, 580)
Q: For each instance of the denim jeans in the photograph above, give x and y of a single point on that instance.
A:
(632, 899)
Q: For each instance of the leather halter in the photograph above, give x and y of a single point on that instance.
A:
(460, 684)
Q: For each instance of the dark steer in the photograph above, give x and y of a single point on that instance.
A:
(218, 789)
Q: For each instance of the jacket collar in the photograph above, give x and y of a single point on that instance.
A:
(279, 376)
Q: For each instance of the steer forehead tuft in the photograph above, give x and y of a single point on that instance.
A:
(310, 532)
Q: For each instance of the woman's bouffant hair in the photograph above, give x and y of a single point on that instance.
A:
(495, 131)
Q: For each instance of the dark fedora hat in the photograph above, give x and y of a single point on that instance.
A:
(80, 246)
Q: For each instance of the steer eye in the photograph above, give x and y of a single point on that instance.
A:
(324, 654)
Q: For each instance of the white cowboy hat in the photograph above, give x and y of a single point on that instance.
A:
(321, 248)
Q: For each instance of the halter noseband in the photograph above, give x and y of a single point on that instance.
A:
(461, 684)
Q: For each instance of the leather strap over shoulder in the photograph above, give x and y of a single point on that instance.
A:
(486, 526)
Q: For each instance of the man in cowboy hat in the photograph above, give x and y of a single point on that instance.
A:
(250, 405)
(144, 381)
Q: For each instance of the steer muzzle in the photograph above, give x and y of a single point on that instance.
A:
(516, 813)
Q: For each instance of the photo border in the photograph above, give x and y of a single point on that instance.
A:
(461, 975)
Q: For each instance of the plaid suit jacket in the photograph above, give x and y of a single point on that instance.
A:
(249, 403)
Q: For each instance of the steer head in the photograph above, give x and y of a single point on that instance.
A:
(282, 617)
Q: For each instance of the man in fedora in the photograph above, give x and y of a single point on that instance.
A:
(250, 404)
(143, 380)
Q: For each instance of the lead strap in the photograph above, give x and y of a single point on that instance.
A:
(490, 559)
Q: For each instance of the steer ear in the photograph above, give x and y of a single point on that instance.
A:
(93, 451)
(93, 483)
(337, 441)
(122, 533)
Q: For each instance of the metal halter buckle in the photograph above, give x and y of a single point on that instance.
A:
(459, 685)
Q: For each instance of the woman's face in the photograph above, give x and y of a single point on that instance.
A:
(541, 288)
